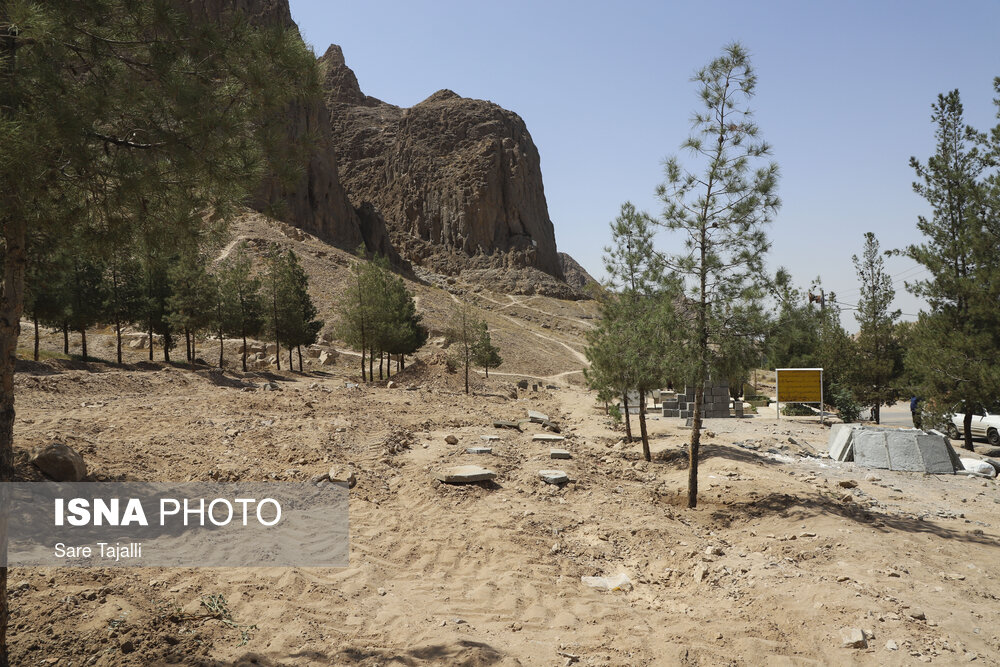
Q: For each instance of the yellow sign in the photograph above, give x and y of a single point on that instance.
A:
(800, 385)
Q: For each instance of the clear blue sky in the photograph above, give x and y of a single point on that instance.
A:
(844, 97)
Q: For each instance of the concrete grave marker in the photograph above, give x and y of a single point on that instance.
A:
(537, 417)
(547, 437)
(560, 454)
(478, 450)
(465, 475)
(553, 476)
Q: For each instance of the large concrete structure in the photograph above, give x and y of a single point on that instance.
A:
(909, 450)
(682, 404)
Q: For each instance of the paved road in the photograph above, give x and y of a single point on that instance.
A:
(895, 415)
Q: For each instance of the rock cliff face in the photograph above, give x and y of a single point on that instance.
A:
(317, 203)
(574, 274)
(456, 180)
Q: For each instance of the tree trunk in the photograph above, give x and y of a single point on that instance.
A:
(166, 345)
(83, 343)
(875, 412)
(967, 430)
(487, 371)
(244, 351)
(194, 348)
(362, 362)
(11, 308)
(402, 362)
(151, 340)
(628, 420)
(371, 365)
(642, 426)
(299, 349)
(466, 370)
(65, 337)
(699, 401)
(388, 365)
(380, 359)
(291, 365)
(36, 337)
(118, 338)
(221, 342)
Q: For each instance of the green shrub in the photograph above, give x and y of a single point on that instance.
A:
(796, 410)
(616, 414)
(843, 401)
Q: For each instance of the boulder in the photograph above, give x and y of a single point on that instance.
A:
(324, 358)
(59, 462)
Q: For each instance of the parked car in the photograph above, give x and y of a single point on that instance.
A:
(985, 425)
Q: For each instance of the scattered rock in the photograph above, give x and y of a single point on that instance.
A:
(551, 426)
(391, 384)
(489, 438)
(917, 614)
(714, 550)
(553, 476)
(537, 417)
(506, 424)
(847, 484)
(451, 440)
(872, 477)
(853, 638)
(891, 646)
(522, 384)
(620, 582)
(59, 462)
(465, 475)
(343, 475)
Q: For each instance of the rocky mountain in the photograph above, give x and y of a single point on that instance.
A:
(574, 274)
(456, 180)
(317, 203)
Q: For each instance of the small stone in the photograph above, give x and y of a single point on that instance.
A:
(465, 475)
(551, 426)
(853, 638)
(451, 440)
(917, 614)
(344, 476)
(842, 578)
(127, 646)
(559, 454)
(807, 534)
(714, 550)
(872, 477)
(381, 591)
(847, 498)
(700, 573)
(891, 646)
(847, 483)
(506, 424)
(537, 417)
(391, 384)
(553, 476)
(489, 438)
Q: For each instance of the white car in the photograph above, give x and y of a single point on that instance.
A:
(986, 425)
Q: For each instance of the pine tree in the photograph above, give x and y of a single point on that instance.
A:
(877, 361)
(721, 213)
(192, 300)
(242, 306)
(631, 349)
(484, 352)
(297, 310)
(462, 331)
(954, 347)
(119, 115)
(124, 304)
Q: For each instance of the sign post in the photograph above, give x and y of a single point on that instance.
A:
(799, 385)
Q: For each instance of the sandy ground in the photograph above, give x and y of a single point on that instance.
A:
(776, 560)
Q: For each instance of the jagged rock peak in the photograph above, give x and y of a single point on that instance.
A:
(441, 96)
(339, 81)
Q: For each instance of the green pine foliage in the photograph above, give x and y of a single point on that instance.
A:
(240, 311)
(484, 352)
(720, 210)
(877, 362)
(953, 353)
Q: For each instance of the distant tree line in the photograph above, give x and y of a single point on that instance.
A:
(175, 295)
(378, 317)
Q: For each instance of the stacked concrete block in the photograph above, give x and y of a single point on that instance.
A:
(716, 403)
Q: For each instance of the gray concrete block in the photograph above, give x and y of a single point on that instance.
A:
(466, 475)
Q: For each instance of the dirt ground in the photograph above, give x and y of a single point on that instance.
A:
(775, 562)
(785, 551)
